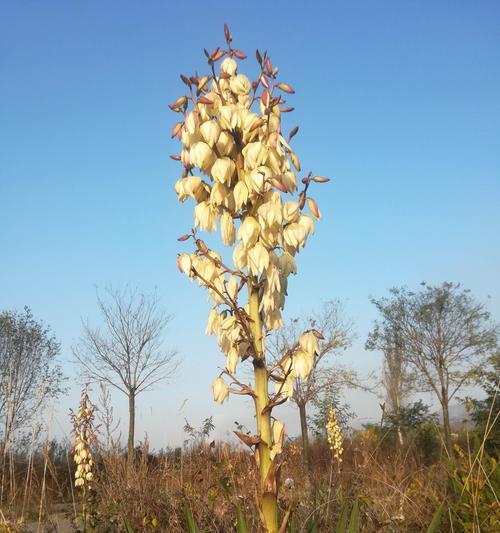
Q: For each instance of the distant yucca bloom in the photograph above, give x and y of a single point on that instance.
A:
(334, 435)
(84, 433)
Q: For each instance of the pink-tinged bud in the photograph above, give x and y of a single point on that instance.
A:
(178, 103)
(305, 180)
(286, 88)
(227, 33)
(258, 57)
(313, 207)
(319, 179)
(264, 98)
(186, 80)
(220, 390)
(255, 84)
(317, 334)
(269, 68)
(264, 81)
(287, 109)
(205, 100)
(239, 54)
(201, 83)
(293, 132)
(276, 181)
(184, 237)
(295, 160)
(217, 56)
(175, 157)
(177, 128)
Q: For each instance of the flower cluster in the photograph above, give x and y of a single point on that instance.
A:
(84, 433)
(335, 440)
(241, 173)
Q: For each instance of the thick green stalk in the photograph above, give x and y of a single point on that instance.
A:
(268, 497)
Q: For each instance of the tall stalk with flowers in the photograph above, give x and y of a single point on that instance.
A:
(240, 171)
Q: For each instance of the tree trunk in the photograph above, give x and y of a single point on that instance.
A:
(446, 424)
(131, 426)
(268, 485)
(305, 436)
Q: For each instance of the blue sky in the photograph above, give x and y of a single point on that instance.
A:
(397, 102)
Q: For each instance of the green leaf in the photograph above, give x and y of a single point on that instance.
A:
(313, 527)
(191, 524)
(354, 520)
(241, 524)
(342, 523)
(436, 519)
(127, 526)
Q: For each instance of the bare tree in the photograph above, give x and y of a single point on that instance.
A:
(337, 332)
(397, 377)
(127, 351)
(446, 336)
(29, 373)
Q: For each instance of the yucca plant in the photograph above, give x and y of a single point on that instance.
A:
(241, 173)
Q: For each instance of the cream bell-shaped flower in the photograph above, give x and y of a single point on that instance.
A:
(307, 223)
(291, 211)
(289, 180)
(258, 259)
(225, 144)
(213, 322)
(232, 287)
(240, 193)
(228, 117)
(202, 156)
(185, 264)
(218, 194)
(227, 229)
(210, 131)
(302, 364)
(249, 231)
(223, 170)
(255, 155)
(220, 390)
(285, 388)
(204, 217)
(287, 264)
(232, 360)
(229, 66)
(295, 235)
(309, 343)
(240, 256)
(240, 84)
